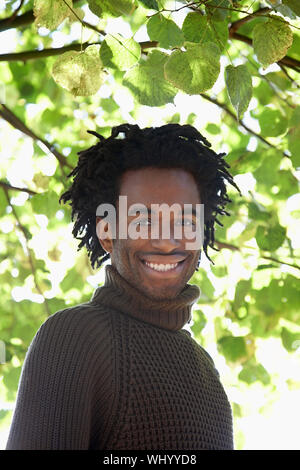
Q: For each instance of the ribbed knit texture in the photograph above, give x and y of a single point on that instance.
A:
(120, 373)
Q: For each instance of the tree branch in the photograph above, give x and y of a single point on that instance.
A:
(287, 61)
(28, 18)
(14, 121)
(34, 55)
(19, 21)
(231, 114)
(29, 253)
(237, 24)
(5, 185)
(289, 77)
(13, 16)
(29, 55)
(231, 247)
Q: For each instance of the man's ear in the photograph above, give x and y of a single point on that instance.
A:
(104, 234)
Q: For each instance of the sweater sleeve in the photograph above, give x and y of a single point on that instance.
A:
(56, 395)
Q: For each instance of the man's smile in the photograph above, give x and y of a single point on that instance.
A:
(163, 270)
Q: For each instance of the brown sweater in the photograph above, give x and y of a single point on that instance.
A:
(120, 373)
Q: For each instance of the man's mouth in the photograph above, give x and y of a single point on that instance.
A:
(163, 269)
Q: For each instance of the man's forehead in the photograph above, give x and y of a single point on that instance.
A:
(150, 186)
(133, 209)
(154, 209)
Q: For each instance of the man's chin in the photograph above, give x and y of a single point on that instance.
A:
(159, 293)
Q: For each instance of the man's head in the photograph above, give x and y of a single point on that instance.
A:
(171, 165)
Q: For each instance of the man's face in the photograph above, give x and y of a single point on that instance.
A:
(129, 256)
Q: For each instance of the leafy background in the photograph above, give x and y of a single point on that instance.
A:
(231, 68)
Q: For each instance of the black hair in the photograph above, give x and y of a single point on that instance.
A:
(96, 178)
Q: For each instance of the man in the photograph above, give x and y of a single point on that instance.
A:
(120, 372)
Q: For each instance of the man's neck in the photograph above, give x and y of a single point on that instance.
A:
(117, 293)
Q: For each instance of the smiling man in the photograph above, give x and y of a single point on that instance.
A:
(120, 372)
(158, 267)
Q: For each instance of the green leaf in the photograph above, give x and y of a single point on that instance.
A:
(147, 83)
(293, 143)
(241, 290)
(279, 79)
(81, 73)
(51, 13)
(195, 70)
(219, 271)
(118, 52)
(71, 280)
(272, 122)
(295, 117)
(151, 4)
(271, 40)
(11, 379)
(199, 322)
(288, 184)
(3, 202)
(291, 341)
(165, 31)
(220, 12)
(270, 238)
(294, 137)
(291, 292)
(45, 203)
(266, 266)
(267, 173)
(239, 86)
(293, 5)
(294, 51)
(257, 212)
(269, 300)
(286, 11)
(254, 372)
(233, 348)
(111, 7)
(198, 28)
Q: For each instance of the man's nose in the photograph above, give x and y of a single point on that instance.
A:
(165, 236)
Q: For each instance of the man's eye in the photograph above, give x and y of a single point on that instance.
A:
(143, 222)
(188, 223)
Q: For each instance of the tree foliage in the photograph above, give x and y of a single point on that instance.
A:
(78, 65)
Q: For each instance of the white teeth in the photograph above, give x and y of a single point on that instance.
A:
(161, 267)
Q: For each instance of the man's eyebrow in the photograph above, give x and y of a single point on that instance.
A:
(190, 210)
(142, 209)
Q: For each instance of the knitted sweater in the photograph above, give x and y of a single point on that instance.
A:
(120, 373)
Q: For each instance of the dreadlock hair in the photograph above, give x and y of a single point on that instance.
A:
(96, 178)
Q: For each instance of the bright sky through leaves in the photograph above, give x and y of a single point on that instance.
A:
(207, 68)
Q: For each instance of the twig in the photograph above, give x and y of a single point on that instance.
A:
(13, 16)
(5, 185)
(28, 55)
(10, 117)
(28, 18)
(29, 252)
(35, 54)
(237, 24)
(84, 23)
(231, 247)
(21, 20)
(288, 61)
(241, 123)
(271, 258)
(288, 76)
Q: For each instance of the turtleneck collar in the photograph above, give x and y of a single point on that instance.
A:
(171, 314)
